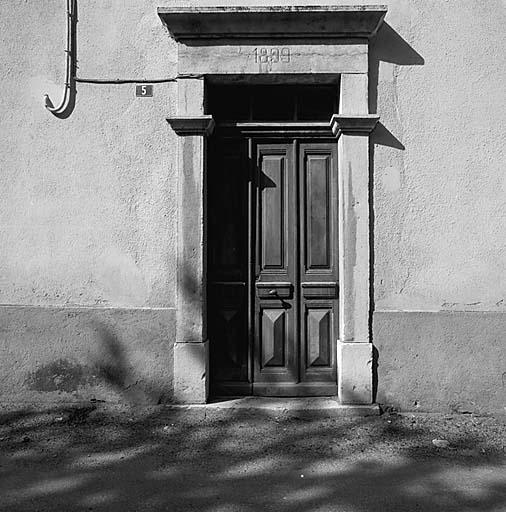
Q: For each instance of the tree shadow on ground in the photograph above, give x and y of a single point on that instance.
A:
(119, 459)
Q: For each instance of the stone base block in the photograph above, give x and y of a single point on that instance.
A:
(191, 372)
(355, 362)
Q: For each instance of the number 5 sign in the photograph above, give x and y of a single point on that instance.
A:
(144, 91)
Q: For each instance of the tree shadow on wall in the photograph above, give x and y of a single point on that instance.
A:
(155, 459)
(114, 367)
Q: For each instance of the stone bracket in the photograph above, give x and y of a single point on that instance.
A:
(192, 125)
(362, 124)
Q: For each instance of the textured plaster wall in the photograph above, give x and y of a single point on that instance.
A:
(87, 207)
(439, 204)
(87, 204)
(88, 220)
(438, 83)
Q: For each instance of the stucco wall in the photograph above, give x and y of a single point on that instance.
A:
(87, 204)
(439, 203)
(439, 198)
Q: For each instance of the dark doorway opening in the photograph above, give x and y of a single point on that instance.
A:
(272, 209)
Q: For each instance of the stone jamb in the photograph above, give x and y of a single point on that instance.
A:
(352, 126)
(191, 350)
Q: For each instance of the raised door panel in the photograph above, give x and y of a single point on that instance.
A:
(318, 224)
(273, 334)
(273, 181)
(319, 337)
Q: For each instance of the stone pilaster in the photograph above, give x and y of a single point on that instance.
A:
(352, 126)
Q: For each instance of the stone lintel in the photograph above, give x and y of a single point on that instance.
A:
(267, 56)
(362, 124)
(192, 125)
(193, 21)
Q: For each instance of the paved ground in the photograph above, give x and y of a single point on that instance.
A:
(104, 458)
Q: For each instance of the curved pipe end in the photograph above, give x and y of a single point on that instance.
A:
(48, 103)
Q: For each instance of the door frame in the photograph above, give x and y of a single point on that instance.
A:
(219, 44)
(256, 137)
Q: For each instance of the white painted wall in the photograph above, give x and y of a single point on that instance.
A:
(440, 227)
(87, 204)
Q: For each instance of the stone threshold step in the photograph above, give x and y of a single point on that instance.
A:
(308, 407)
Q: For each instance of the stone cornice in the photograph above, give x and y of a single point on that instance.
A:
(192, 125)
(361, 124)
(193, 22)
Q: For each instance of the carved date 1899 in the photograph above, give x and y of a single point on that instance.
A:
(271, 55)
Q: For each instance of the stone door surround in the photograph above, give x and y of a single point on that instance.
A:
(269, 44)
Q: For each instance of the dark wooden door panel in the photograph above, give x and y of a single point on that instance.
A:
(318, 169)
(275, 354)
(273, 267)
(227, 214)
(228, 332)
(318, 199)
(318, 263)
(227, 262)
(273, 207)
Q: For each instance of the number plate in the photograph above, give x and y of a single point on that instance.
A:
(144, 90)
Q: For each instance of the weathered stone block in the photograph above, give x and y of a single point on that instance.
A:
(191, 370)
(354, 363)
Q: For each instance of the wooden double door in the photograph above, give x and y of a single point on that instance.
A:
(273, 290)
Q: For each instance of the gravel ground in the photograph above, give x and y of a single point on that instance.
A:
(102, 457)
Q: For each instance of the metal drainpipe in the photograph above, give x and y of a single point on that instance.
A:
(71, 77)
(59, 109)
